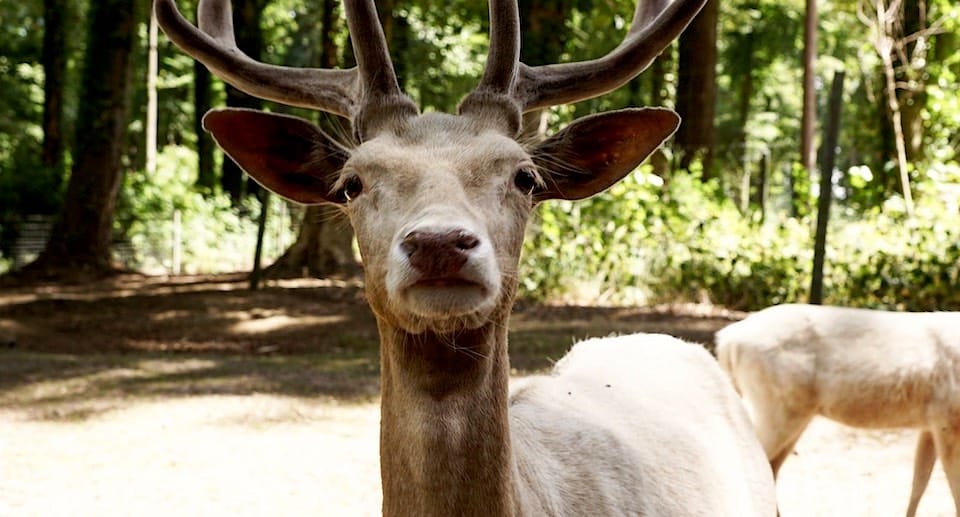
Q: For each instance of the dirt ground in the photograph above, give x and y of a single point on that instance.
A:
(195, 396)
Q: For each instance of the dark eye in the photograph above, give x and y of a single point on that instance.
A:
(526, 180)
(352, 188)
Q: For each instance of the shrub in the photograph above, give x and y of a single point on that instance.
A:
(215, 236)
(646, 241)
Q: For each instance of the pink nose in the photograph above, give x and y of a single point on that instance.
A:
(439, 254)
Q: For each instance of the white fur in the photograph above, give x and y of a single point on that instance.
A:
(640, 424)
(863, 368)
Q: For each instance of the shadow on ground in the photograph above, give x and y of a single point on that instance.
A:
(74, 352)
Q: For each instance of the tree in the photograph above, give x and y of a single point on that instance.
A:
(697, 89)
(543, 29)
(809, 119)
(324, 244)
(247, 15)
(903, 59)
(827, 160)
(206, 177)
(543, 32)
(911, 78)
(54, 85)
(80, 240)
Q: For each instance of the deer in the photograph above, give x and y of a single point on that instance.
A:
(439, 203)
(861, 367)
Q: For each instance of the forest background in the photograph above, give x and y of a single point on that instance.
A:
(103, 162)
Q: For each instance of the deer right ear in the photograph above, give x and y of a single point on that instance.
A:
(596, 151)
(287, 155)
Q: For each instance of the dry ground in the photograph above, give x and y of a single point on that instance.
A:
(193, 396)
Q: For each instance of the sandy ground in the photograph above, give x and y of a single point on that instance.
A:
(193, 396)
(273, 455)
(223, 455)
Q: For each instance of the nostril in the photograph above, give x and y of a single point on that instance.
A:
(411, 243)
(467, 241)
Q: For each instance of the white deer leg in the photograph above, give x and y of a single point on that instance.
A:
(922, 468)
(946, 437)
(778, 426)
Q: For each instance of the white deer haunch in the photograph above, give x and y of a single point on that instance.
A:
(439, 204)
(863, 368)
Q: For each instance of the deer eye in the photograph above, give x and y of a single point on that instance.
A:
(527, 181)
(352, 187)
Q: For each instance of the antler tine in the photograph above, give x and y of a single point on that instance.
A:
(370, 48)
(335, 91)
(503, 58)
(500, 74)
(381, 97)
(213, 44)
(655, 24)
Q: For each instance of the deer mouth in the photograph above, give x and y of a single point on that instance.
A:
(435, 299)
(445, 282)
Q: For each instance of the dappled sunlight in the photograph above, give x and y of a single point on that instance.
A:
(169, 315)
(125, 286)
(280, 322)
(205, 314)
(66, 388)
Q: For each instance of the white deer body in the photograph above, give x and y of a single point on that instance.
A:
(439, 204)
(863, 368)
(641, 410)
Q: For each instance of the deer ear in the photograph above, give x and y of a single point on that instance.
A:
(288, 155)
(596, 151)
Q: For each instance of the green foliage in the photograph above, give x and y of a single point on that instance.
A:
(645, 241)
(648, 239)
(215, 237)
(587, 249)
(891, 261)
(444, 55)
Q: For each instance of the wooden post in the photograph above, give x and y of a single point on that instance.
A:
(261, 230)
(826, 159)
(152, 68)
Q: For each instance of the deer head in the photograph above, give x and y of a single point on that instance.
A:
(438, 202)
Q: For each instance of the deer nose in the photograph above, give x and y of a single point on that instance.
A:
(439, 255)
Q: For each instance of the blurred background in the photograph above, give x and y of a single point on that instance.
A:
(103, 164)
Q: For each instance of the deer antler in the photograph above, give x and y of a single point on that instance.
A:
(655, 24)
(349, 93)
(370, 94)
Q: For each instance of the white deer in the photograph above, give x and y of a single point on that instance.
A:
(643, 425)
(863, 368)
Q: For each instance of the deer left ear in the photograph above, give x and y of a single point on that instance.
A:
(594, 152)
(288, 155)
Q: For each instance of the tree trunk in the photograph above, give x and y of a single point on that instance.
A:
(913, 98)
(79, 244)
(886, 44)
(656, 73)
(206, 177)
(745, 95)
(324, 245)
(763, 189)
(246, 23)
(543, 30)
(697, 89)
(827, 155)
(54, 59)
(151, 124)
(809, 120)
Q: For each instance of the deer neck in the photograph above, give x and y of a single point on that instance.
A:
(444, 434)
